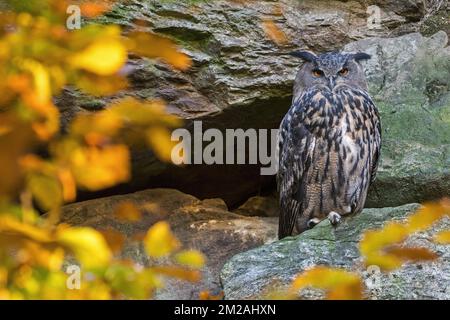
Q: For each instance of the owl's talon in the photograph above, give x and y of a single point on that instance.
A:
(334, 218)
(312, 222)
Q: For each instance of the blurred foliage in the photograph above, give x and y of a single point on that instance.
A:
(385, 248)
(38, 57)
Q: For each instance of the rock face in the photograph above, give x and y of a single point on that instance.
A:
(260, 207)
(240, 79)
(203, 225)
(409, 79)
(252, 274)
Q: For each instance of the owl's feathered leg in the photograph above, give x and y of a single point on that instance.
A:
(334, 218)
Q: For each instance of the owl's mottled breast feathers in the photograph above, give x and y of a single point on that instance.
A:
(329, 146)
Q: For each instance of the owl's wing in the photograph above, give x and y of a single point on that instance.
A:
(295, 149)
(377, 151)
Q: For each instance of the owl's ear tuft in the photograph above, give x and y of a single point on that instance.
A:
(361, 56)
(305, 55)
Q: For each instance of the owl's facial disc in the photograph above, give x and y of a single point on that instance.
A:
(330, 71)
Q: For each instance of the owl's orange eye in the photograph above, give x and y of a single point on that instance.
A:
(317, 73)
(343, 72)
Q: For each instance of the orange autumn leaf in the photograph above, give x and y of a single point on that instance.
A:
(411, 253)
(138, 237)
(48, 125)
(381, 247)
(114, 239)
(128, 212)
(154, 46)
(177, 272)
(239, 1)
(206, 295)
(39, 58)
(337, 283)
(19, 83)
(94, 9)
(274, 32)
(395, 256)
(5, 129)
(68, 184)
(277, 10)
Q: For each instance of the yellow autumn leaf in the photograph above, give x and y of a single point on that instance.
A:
(190, 258)
(46, 190)
(338, 284)
(394, 257)
(101, 124)
(144, 113)
(127, 211)
(44, 182)
(375, 240)
(159, 240)
(88, 246)
(41, 79)
(382, 247)
(155, 46)
(385, 262)
(12, 226)
(3, 277)
(38, 98)
(159, 139)
(442, 237)
(424, 218)
(98, 85)
(104, 57)
(51, 259)
(100, 168)
(17, 141)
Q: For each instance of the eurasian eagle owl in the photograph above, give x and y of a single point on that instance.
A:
(328, 144)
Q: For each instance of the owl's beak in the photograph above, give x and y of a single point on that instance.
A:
(331, 82)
